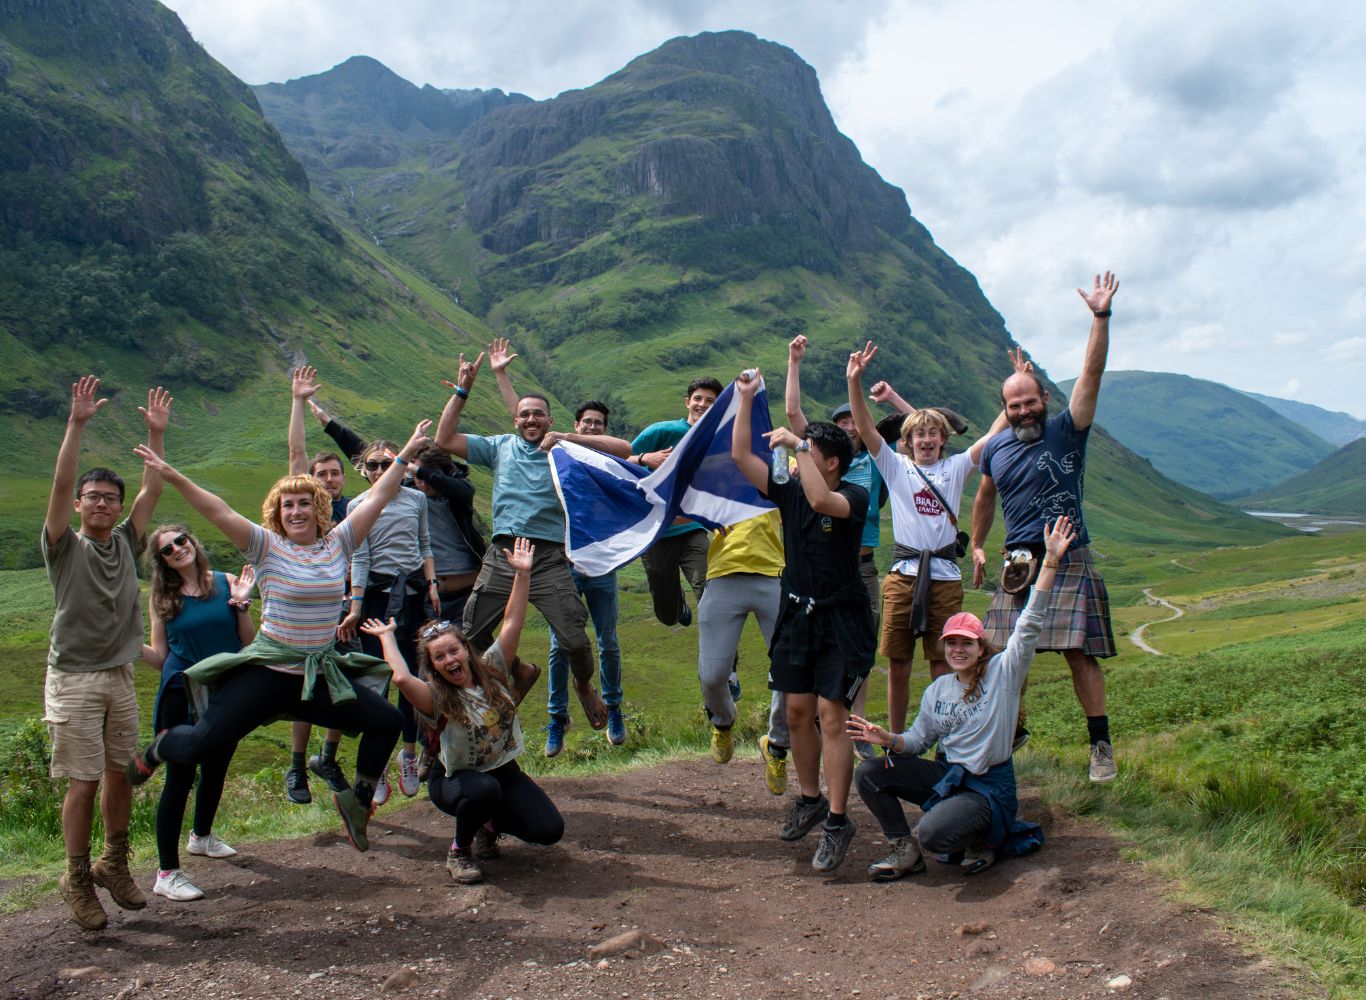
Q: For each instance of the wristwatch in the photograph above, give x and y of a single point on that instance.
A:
(803, 445)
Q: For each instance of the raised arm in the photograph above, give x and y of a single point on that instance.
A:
(754, 467)
(303, 384)
(792, 393)
(1083, 402)
(500, 356)
(448, 436)
(157, 414)
(235, 527)
(882, 392)
(367, 512)
(858, 406)
(983, 513)
(417, 692)
(514, 615)
(820, 496)
(1021, 364)
(598, 442)
(85, 403)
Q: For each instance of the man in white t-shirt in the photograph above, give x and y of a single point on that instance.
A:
(925, 488)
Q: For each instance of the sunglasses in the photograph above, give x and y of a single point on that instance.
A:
(436, 628)
(171, 546)
(377, 465)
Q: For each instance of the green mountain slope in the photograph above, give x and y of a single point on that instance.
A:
(1334, 426)
(1203, 434)
(1337, 485)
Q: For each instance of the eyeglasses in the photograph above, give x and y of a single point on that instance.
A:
(376, 465)
(101, 499)
(436, 628)
(171, 546)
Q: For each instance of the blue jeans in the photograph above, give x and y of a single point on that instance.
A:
(600, 594)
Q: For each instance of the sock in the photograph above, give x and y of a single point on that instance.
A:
(777, 752)
(810, 800)
(836, 820)
(1098, 728)
(454, 846)
(297, 760)
(329, 754)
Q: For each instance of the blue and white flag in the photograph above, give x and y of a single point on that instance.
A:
(615, 510)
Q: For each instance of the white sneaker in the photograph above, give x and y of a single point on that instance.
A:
(176, 885)
(1103, 767)
(208, 846)
(381, 791)
(408, 781)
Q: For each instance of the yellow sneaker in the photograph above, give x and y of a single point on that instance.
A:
(775, 767)
(722, 745)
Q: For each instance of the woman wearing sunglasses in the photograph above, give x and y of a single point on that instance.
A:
(195, 612)
(478, 781)
(292, 668)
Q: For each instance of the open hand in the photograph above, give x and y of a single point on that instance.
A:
(378, 627)
(151, 460)
(859, 728)
(240, 587)
(1098, 300)
(84, 403)
(157, 412)
(500, 354)
(1060, 534)
(304, 382)
(520, 558)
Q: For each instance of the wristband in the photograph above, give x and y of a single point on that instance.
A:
(356, 599)
(241, 608)
(1102, 313)
(434, 583)
(400, 460)
(1053, 564)
(462, 392)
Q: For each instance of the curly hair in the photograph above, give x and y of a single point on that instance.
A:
(307, 485)
(447, 696)
(924, 420)
(166, 581)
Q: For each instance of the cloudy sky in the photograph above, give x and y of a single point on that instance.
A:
(1211, 155)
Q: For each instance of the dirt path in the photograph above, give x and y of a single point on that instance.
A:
(686, 852)
(1136, 636)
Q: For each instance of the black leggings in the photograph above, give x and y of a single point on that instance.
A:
(251, 696)
(409, 612)
(175, 710)
(506, 795)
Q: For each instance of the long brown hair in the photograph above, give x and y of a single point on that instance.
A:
(973, 675)
(447, 695)
(166, 581)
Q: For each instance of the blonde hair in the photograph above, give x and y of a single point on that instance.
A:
(923, 420)
(166, 582)
(307, 485)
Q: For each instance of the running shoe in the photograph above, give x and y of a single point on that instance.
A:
(722, 745)
(176, 885)
(381, 791)
(802, 816)
(408, 781)
(834, 846)
(208, 846)
(355, 818)
(296, 786)
(1021, 738)
(554, 735)
(462, 867)
(775, 765)
(865, 750)
(1103, 767)
(616, 726)
(330, 771)
(736, 691)
(904, 859)
(684, 612)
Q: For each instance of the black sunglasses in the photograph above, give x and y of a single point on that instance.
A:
(372, 465)
(170, 546)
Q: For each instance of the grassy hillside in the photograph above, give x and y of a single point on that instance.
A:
(1211, 438)
(1334, 426)
(1337, 485)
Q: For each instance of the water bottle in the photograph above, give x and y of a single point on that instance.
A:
(780, 464)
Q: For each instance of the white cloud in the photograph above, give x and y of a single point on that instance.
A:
(1347, 349)
(1290, 390)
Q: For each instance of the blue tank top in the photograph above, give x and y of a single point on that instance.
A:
(205, 625)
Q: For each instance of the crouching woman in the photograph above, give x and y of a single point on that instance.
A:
(968, 794)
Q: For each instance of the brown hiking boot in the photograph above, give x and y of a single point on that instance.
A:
(78, 889)
(111, 873)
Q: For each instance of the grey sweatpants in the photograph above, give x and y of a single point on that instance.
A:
(726, 603)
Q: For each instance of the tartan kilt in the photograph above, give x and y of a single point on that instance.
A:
(1078, 612)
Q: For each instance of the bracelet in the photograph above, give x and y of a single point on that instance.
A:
(400, 460)
(434, 583)
(357, 599)
(1051, 564)
(1102, 314)
(242, 608)
(462, 392)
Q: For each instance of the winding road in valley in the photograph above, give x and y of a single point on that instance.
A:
(1136, 636)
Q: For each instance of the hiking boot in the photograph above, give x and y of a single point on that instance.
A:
(354, 816)
(802, 816)
(1021, 738)
(834, 846)
(296, 786)
(485, 846)
(1103, 767)
(328, 769)
(78, 889)
(462, 867)
(775, 765)
(176, 885)
(424, 763)
(554, 735)
(905, 859)
(722, 745)
(977, 859)
(408, 781)
(208, 846)
(616, 726)
(110, 872)
(382, 792)
(143, 764)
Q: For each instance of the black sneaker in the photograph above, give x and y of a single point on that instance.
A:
(834, 846)
(684, 612)
(1021, 738)
(296, 786)
(803, 816)
(328, 769)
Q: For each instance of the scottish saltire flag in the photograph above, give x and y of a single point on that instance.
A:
(614, 510)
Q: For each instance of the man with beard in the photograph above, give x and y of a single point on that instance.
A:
(1037, 466)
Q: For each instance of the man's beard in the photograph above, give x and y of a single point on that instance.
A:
(1028, 433)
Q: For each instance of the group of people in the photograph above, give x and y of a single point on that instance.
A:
(397, 587)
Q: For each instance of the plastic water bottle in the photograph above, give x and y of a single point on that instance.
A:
(780, 474)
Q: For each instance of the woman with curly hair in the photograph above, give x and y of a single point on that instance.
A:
(478, 781)
(195, 613)
(968, 791)
(292, 669)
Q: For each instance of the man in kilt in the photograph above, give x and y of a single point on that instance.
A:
(1037, 466)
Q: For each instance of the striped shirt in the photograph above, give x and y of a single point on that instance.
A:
(301, 586)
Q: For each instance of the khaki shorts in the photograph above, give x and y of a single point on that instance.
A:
(898, 591)
(92, 718)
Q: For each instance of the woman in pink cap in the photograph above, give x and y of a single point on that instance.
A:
(967, 792)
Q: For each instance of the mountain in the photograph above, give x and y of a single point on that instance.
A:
(1337, 485)
(1334, 426)
(1203, 434)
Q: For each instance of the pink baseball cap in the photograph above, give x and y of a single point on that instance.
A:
(966, 624)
